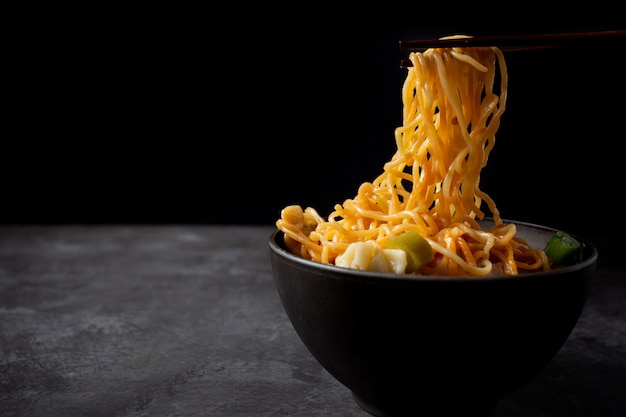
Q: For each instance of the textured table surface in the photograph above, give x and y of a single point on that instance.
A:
(185, 320)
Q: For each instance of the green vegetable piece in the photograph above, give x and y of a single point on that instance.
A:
(418, 250)
(563, 249)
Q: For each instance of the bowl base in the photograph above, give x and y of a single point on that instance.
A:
(413, 408)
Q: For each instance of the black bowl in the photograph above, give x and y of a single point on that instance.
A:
(407, 344)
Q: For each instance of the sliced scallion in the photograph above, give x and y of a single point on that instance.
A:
(563, 249)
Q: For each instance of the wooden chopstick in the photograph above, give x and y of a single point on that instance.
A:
(514, 43)
(518, 41)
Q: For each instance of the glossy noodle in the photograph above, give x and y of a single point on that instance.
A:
(453, 100)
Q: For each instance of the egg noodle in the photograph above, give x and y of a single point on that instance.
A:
(453, 99)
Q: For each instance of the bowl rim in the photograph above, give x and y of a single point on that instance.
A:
(589, 261)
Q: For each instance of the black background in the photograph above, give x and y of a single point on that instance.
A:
(227, 116)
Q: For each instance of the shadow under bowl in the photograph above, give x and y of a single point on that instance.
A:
(406, 344)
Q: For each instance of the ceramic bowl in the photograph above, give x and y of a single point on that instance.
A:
(409, 344)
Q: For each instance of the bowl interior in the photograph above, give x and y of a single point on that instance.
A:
(536, 235)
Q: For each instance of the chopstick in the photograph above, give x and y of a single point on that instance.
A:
(515, 43)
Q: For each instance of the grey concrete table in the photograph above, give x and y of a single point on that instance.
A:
(186, 321)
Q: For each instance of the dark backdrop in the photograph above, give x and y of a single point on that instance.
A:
(222, 117)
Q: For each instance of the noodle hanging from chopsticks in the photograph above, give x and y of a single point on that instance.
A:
(453, 100)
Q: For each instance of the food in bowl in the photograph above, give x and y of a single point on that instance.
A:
(453, 100)
(408, 293)
(407, 344)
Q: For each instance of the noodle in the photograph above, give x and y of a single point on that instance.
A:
(453, 100)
